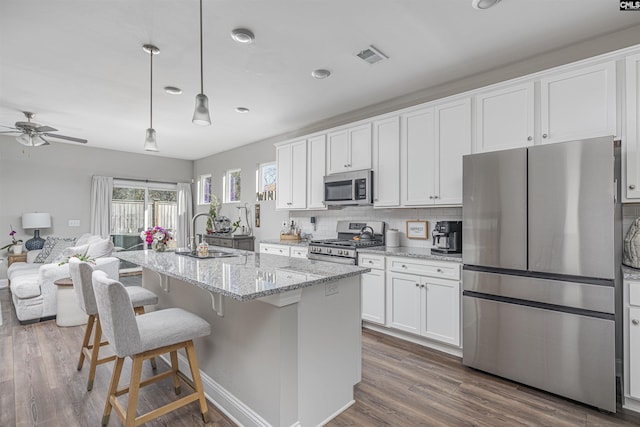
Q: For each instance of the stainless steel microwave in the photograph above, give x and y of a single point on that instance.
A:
(349, 188)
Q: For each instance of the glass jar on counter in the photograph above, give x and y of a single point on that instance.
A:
(203, 249)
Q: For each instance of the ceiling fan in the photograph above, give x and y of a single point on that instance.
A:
(32, 134)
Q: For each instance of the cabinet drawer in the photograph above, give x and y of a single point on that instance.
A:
(274, 249)
(634, 293)
(375, 262)
(444, 270)
(299, 252)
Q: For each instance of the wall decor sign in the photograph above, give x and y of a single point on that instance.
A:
(417, 229)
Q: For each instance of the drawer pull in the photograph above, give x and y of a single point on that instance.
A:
(370, 262)
(635, 321)
(404, 266)
(439, 270)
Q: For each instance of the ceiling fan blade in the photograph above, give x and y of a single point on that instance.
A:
(43, 129)
(45, 141)
(10, 131)
(68, 138)
(10, 127)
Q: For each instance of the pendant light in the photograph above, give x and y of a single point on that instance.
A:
(150, 143)
(201, 113)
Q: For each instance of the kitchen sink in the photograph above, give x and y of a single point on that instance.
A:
(212, 254)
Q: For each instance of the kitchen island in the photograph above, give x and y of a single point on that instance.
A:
(285, 348)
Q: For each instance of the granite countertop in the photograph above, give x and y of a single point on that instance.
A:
(303, 243)
(630, 273)
(244, 277)
(409, 252)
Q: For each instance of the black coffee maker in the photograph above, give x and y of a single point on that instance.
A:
(447, 237)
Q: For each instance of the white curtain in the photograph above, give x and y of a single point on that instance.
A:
(185, 212)
(101, 191)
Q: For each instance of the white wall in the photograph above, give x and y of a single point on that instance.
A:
(57, 179)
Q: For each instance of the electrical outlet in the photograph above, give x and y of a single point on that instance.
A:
(330, 288)
(74, 223)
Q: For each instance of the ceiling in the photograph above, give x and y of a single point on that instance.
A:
(79, 65)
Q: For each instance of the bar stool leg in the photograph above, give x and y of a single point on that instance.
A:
(197, 381)
(85, 341)
(97, 337)
(174, 369)
(140, 310)
(134, 389)
(113, 388)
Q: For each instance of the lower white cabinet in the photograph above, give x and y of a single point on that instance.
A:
(631, 322)
(373, 288)
(298, 252)
(423, 298)
(274, 249)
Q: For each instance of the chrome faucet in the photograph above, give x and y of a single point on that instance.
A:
(194, 245)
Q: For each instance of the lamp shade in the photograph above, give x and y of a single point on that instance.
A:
(201, 113)
(150, 143)
(36, 220)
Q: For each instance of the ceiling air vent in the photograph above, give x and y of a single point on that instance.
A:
(371, 55)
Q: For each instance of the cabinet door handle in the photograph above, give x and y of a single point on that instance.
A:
(417, 285)
(431, 197)
(632, 187)
(635, 321)
(439, 270)
(529, 138)
(435, 197)
(544, 135)
(422, 286)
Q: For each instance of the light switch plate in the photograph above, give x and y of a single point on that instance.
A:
(74, 223)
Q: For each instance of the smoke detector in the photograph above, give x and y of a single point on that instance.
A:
(371, 55)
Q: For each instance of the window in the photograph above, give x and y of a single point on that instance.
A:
(204, 189)
(267, 174)
(136, 206)
(232, 186)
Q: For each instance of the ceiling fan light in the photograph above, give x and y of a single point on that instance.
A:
(37, 141)
(201, 113)
(483, 4)
(24, 139)
(150, 143)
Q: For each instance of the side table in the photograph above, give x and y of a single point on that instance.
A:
(68, 311)
(21, 257)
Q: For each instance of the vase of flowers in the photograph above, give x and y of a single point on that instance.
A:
(156, 237)
(214, 209)
(16, 244)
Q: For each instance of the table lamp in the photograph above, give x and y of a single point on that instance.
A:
(36, 221)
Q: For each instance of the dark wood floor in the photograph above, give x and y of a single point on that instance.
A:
(403, 384)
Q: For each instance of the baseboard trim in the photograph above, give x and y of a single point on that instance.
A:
(224, 401)
(425, 342)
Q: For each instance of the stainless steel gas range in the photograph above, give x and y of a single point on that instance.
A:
(352, 235)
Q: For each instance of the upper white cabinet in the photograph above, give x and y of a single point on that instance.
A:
(433, 141)
(504, 118)
(291, 161)
(316, 147)
(578, 104)
(349, 149)
(632, 141)
(386, 162)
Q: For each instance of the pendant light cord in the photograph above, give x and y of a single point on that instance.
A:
(201, 66)
(151, 92)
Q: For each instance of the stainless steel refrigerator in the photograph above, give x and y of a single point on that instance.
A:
(541, 252)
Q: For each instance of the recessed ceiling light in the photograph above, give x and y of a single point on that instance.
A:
(320, 74)
(242, 35)
(173, 90)
(242, 110)
(483, 4)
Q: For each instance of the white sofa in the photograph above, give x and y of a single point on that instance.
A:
(32, 289)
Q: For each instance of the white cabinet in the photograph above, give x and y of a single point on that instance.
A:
(373, 288)
(386, 162)
(631, 322)
(349, 149)
(316, 164)
(433, 141)
(274, 249)
(504, 118)
(423, 298)
(578, 104)
(298, 252)
(291, 161)
(632, 141)
(284, 250)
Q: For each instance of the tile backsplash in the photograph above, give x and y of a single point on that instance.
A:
(325, 226)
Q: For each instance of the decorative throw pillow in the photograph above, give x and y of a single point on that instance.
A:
(99, 249)
(75, 250)
(53, 248)
(87, 239)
